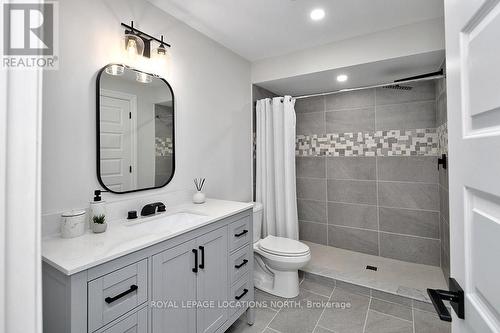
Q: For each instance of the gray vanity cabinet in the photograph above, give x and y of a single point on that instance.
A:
(136, 322)
(103, 308)
(158, 289)
(174, 283)
(212, 281)
(191, 272)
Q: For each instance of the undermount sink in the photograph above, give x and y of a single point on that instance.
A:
(184, 217)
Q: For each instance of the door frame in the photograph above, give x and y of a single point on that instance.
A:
(20, 200)
(132, 99)
(3, 192)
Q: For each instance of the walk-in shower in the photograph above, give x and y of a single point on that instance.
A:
(372, 203)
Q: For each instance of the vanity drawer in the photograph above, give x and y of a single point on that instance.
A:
(116, 293)
(136, 322)
(239, 263)
(241, 292)
(240, 233)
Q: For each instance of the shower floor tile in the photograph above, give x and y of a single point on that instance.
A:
(392, 276)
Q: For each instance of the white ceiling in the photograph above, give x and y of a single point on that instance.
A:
(374, 73)
(258, 29)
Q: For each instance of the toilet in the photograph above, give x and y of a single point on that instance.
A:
(277, 260)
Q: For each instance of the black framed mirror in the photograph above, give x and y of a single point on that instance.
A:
(135, 130)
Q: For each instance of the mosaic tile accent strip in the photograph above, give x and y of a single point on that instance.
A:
(163, 146)
(415, 142)
(442, 133)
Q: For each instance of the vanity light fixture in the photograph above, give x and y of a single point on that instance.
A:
(143, 77)
(341, 78)
(116, 70)
(138, 42)
(161, 55)
(134, 44)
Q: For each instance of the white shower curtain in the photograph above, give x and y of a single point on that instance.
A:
(275, 174)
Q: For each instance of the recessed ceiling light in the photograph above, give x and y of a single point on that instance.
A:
(317, 14)
(342, 78)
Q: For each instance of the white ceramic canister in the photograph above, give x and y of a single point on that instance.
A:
(73, 223)
(199, 197)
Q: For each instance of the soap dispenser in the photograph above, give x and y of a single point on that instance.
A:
(98, 206)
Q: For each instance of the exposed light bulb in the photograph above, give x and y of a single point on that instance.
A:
(132, 47)
(161, 58)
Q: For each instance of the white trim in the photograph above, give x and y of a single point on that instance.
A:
(132, 99)
(3, 144)
(21, 201)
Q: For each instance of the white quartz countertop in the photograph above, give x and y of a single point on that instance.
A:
(122, 237)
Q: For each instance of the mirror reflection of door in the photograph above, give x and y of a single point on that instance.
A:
(135, 130)
(118, 143)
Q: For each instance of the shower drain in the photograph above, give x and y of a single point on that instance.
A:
(372, 268)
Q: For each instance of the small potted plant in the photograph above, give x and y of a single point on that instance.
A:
(99, 224)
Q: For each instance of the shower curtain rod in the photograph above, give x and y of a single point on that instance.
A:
(394, 83)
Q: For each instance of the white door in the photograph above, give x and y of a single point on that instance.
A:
(473, 84)
(117, 165)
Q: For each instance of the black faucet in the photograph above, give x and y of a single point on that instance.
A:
(150, 209)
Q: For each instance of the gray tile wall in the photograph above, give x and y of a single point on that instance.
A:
(444, 224)
(387, 206)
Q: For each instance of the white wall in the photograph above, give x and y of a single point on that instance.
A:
(212, 100)
(422, 37)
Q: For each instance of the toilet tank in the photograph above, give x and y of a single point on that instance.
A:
(257, 221)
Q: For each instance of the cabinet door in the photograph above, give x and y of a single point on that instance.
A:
(173, 285)
(212, 282)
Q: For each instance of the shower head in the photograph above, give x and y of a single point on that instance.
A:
(398, 87)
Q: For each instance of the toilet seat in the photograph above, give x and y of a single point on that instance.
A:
(285, 247)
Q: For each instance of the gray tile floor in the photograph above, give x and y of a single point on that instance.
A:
(323, 308)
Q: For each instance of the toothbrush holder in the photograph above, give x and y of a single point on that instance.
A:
(199, 197)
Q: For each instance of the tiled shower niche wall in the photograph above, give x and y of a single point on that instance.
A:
(377, 196)
(442, 131)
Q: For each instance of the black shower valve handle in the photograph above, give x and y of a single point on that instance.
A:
(443, 161)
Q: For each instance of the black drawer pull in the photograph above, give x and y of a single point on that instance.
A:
(195, 268)
(241, 233)
(202, 250)
(242, 264)
(112, 299)
(242, 294)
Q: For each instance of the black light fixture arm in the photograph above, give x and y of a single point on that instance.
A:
(143, 35)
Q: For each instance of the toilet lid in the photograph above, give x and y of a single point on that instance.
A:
(283, 246)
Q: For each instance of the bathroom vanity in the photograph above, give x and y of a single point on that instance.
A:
(188, 270)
